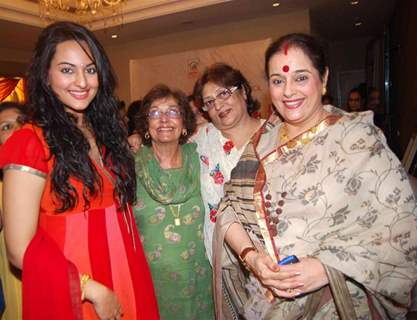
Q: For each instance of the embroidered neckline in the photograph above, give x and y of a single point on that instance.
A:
(305, 137)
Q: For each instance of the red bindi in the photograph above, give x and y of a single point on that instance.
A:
(285, 68)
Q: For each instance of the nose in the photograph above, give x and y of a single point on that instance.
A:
(80, 79)
(288, 89)
(164, 117)
(218, 103)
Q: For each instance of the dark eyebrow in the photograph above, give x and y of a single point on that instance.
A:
(73, 65)
(296, 71)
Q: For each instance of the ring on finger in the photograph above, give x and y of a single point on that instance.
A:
(290, 291)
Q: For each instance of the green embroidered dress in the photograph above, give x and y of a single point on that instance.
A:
(170, 214)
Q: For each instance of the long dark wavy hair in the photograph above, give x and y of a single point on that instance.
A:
(66, 142)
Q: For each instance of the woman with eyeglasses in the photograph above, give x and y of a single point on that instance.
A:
(226, 96)
(169, 211)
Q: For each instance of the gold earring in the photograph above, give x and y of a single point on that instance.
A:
(324, 91)
(147, 136)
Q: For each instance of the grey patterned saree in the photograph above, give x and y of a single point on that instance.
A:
(336, 193)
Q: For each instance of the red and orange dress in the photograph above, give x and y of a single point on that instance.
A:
(102, 242)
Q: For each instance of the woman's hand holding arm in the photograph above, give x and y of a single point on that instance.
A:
(286, 281)
(260, 263)
(105, 301)
(134, 142)
(22, 192)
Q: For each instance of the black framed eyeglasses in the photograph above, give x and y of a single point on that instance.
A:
(221, 94)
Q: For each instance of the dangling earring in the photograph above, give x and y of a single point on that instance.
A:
(184, 132)
(324, 91)
(147, 136)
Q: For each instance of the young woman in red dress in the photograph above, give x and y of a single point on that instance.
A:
(68, 184)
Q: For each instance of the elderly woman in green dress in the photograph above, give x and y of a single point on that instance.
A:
(169, 211)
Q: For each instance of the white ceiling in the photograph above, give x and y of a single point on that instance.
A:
(332, 19)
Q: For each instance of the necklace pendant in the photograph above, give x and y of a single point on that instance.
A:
(177, 221)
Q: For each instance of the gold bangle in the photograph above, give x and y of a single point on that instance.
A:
(243, 254)
(83, 281)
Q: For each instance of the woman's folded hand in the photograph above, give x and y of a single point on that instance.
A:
(288, 281)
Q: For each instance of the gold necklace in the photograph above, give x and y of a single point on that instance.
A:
(284, 138)
(283, 134)
(301, 139)
(176, 213)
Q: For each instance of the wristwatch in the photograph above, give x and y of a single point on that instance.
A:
(243, 254)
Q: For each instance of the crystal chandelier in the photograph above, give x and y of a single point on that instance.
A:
(82, 11)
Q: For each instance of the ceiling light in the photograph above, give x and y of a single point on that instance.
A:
(82, 11)
(114, 36)
(354, 2)
(276, 4)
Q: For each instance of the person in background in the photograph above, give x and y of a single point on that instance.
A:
(373, 101)
(327, 99)
(355, 101)
(72, 186)
(170, 211)
(121, 105)
(374, 104)
(318, 220)
(132, 111)
(12, 117)
(200, 117)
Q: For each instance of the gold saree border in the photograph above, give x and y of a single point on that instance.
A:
(300, 140)
(260, 179)
(27, 169)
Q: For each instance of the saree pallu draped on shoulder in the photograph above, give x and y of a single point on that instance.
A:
(340, 196)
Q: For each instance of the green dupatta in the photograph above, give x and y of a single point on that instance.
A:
(162, 184)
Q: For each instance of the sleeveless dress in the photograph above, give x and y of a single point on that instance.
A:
(102, 241)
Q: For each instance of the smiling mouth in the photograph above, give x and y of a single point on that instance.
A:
(224, 113)
(79, 95)
(293, 104)
(165, 129)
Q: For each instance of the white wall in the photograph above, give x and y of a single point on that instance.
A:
(215, 36)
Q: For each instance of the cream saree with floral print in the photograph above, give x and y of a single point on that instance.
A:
(336, 193)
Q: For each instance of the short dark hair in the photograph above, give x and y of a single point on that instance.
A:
(312, 48)
(356, 90)
(162, 91)
(21, 108)
(226, 76)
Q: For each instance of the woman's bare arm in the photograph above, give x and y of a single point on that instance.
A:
(22, 192)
